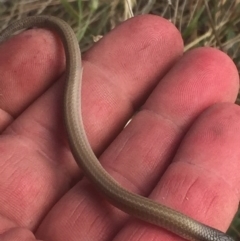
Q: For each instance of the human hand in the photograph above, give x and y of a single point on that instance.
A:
(181, 148)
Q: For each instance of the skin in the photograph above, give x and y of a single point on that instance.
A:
(176, 149)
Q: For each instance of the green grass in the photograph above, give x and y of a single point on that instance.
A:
(201, 22)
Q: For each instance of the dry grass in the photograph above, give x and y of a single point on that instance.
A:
(201, 22)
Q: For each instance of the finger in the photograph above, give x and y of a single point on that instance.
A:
(27, 71)
(35, 144)
(119, 80)
(202, 182)
(121, 93)
(17, 234)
